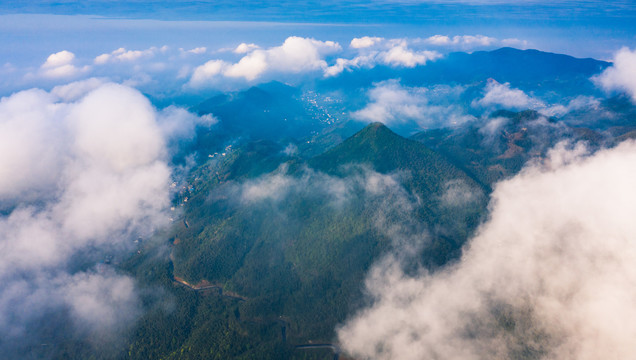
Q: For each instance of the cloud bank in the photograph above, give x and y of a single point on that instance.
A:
(550, 275)
(83, 170)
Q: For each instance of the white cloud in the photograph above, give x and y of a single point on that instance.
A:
(249, 67)
(468, 42)
(178, 124)
(364, 42)
(402, 56)
(621, 76)
(341, 64)
(59, 59)
(393, 104)
(136, 133)
(458, 193)
(30, 145)
(123, 55)
(275, 188)
(518, 43)
(77, 172)
(578, 103)
(76, 90)
(502, 95)
(550, 274)
(101, 303)
(476, 40)
(439, 40)
(208, 71)
(198, 50)
(396, 53)
(295, 55)
(492, 127)
(244, 48)
(60, 65)
(463, 40)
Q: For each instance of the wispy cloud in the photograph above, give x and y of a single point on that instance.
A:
(464, 40)
(504, 96)
(395, 105)
(378, 51)
(123, 55)
(470, 42)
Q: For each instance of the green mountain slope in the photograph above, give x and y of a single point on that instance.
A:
(300, 253)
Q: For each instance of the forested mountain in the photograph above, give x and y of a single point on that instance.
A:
(289, 208)
(287, 201)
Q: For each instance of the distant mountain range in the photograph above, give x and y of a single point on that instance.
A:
(529, 70)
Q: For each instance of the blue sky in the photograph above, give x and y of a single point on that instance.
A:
(581, 28)
(358, 11)
(32, 31)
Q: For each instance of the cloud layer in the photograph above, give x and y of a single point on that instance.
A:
(81, 167)
(549, 275)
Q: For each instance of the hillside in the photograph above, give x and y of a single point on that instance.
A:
(499, 146)
(273, 236)
(298, 256)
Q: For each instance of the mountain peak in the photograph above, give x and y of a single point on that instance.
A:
(375, 125)
(376, 145)
(376, 129)
(375, 137)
